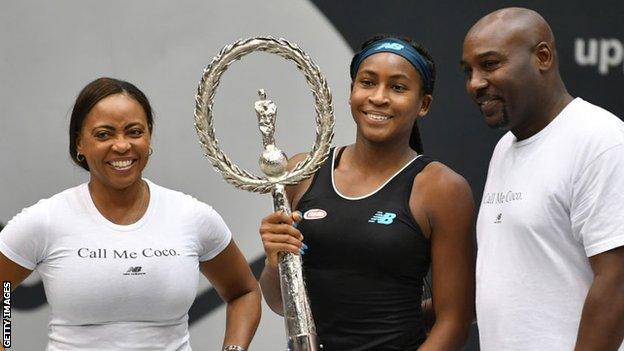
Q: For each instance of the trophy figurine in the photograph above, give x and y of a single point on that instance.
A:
(300, 328)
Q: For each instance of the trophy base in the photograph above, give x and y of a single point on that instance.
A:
(304, 342)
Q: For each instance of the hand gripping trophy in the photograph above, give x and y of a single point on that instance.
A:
(300, 327)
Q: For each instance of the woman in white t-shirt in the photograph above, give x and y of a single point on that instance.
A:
(119, 256)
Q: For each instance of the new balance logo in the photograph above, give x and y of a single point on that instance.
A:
(391, 46)
(134, 271)
(499, 218)
(382, 218)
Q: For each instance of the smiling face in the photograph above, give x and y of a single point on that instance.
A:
(386, 98)
(115, 141)
(502, 77)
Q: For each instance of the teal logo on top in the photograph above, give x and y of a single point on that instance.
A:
(391, 46)
(382, 218)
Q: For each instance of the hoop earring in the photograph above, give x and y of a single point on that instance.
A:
(78, 157)
(151, 151)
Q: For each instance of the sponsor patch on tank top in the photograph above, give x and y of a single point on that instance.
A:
(382, 218)
(315, 213)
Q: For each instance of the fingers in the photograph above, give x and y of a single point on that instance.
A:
(280, 229)
(296, 216)
(282, 217)
(279, 234)
(278, 217)
(293, 238)
(281, 223)
(274, 243)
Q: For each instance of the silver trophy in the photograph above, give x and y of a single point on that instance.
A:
(300, 326)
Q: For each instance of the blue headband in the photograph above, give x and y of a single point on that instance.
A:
(401, 48)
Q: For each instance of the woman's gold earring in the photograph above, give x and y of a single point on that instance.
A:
(79, 157)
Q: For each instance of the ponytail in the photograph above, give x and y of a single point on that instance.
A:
(415, 142)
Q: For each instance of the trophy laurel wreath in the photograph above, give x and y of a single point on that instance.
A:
(300, 328)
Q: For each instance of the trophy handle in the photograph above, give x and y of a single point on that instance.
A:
(296, 305)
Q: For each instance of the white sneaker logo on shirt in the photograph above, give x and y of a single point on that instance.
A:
(134, 271)
(499, 218)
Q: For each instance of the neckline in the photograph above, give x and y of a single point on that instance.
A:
(374, 191)
(560, 116)
(98, 217)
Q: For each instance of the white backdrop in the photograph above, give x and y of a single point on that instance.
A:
(50, 49)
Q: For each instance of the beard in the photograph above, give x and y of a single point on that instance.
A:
(499, 120)
(503, 123)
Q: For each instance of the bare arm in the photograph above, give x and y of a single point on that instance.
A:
(270, 285)
(450, 210)
(13, 272)
(229, 273)
(278, 235)
(602, 320)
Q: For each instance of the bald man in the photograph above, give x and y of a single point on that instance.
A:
(550, 266)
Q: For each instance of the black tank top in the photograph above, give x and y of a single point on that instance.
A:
(365, 262)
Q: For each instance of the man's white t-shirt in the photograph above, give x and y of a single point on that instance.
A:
(550, 202)
(116, 287)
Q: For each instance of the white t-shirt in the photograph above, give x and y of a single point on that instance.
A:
(117, 287)
(550, 202)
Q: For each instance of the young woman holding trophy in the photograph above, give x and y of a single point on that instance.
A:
(376, 215)
(119, 256)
